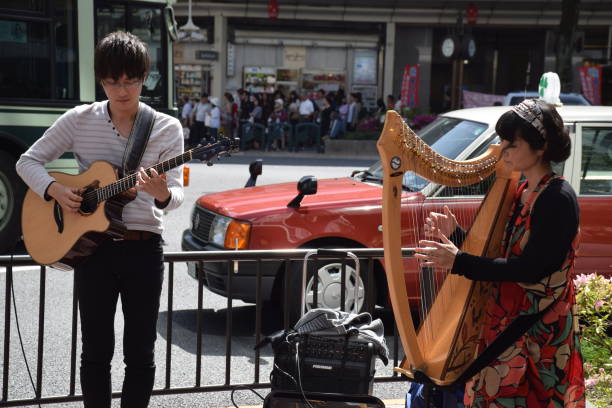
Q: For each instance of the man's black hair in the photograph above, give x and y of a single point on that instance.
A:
(121, 53)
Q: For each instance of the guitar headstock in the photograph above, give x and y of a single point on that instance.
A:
(210, 151)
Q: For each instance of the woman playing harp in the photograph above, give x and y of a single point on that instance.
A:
(531, 278)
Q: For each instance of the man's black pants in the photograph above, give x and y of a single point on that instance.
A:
(133, 270)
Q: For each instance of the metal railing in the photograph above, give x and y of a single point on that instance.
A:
(231, 260)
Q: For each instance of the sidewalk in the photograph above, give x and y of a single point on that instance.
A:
(394, 403)
(307, 154)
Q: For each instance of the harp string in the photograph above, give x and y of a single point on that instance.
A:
(430, 279)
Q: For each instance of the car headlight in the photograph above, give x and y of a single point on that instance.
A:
(229, 233)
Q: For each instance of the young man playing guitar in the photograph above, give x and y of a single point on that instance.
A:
(131, 267)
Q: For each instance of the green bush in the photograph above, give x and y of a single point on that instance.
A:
(594, 305)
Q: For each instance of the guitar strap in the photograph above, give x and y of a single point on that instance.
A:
(138, 139)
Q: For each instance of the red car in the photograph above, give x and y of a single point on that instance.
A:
(346, 212)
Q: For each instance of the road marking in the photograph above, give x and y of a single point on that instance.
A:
(392, 403)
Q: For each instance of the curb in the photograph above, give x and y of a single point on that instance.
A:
(304, 155)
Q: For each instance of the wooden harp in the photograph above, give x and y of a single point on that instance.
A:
(448, 347)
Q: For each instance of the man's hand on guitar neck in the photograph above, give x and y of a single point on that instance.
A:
(68, 197)
(155, 185)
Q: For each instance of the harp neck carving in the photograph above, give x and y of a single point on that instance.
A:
(408, 152)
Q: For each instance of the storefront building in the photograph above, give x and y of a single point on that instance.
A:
(393, 48)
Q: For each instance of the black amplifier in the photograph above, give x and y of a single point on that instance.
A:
(325, 364)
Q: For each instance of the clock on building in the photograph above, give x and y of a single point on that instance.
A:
(449, 46)
(469, 46)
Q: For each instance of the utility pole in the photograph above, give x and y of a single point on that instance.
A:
(565, 42)
(457, 76)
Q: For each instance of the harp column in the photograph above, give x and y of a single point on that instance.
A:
(389, 60)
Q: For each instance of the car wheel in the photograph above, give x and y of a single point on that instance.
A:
(329, 284)
(12, 190)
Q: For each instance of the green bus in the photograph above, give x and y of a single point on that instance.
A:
(46, 68)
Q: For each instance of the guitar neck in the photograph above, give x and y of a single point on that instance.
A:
(127, 182)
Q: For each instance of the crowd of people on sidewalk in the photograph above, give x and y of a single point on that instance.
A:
(334, 113)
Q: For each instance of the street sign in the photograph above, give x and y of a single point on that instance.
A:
(207, 55)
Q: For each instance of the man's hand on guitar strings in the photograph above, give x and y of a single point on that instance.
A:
(437, 254)
(154, 185)
(69, 198)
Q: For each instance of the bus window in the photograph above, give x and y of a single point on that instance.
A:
(144, 21)
(36, 64)
(109, 18)
(33, 6)
(147, 25)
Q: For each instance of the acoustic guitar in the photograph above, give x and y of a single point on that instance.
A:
(62, 239)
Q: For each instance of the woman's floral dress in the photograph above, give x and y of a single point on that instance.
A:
(543, 368)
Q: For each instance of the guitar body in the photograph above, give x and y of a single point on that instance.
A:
(55, 237)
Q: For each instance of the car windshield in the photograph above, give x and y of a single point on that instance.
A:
(447, 136)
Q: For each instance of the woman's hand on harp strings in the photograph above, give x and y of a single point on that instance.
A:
(437, 254)
(446, 222)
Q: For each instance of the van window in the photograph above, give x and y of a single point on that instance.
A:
(596, 168)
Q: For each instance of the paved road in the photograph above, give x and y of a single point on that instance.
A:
(227, 173)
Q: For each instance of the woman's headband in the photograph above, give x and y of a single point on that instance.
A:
(532, 113)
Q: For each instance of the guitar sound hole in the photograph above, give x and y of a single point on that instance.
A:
(88, 205)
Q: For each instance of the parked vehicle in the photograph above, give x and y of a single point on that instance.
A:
(346, 212)
(514, 98)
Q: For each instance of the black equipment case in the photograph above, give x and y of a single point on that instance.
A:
(324, 364)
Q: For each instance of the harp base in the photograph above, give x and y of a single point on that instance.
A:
(412, 376)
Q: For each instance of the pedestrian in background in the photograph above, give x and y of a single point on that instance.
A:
(353, 112)
(338, 126)
(186, 112)
(306, 109)
(256, 115)
(326, 116)
(215, 120)
(198, 115)
(230, 115)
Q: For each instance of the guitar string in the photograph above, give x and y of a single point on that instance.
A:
(112, 189)
(127, 182)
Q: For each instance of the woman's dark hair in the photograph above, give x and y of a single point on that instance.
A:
(121, 53)
(558, 143)
(229, 97)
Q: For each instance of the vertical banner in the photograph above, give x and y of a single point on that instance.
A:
(410, 86)
(590, 79)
